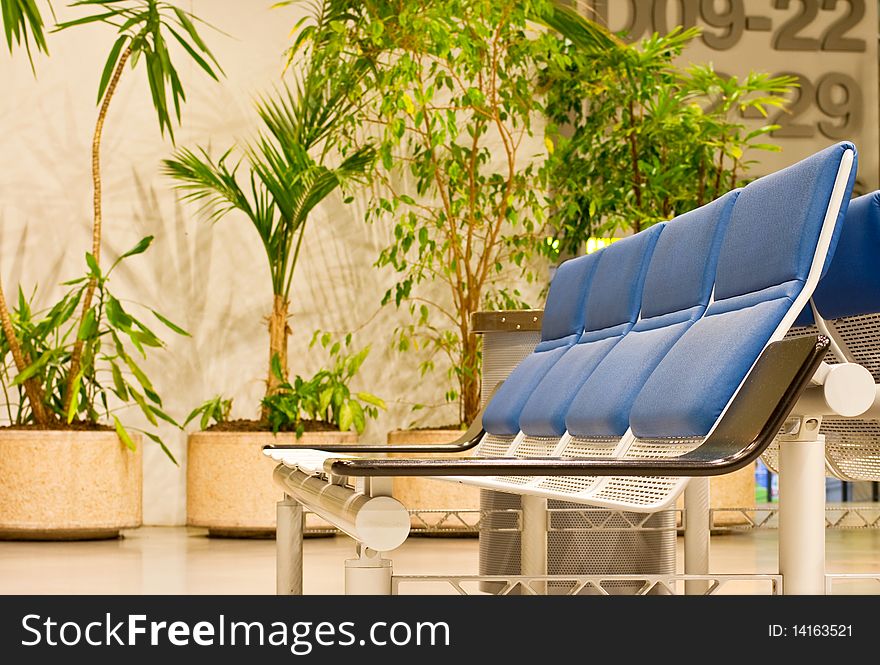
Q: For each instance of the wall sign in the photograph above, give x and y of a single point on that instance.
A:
(831, 45)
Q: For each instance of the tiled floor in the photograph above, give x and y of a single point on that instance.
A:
(157, 560)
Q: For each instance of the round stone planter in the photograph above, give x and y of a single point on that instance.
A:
(229, 487)
(68, 485)
(424, 494)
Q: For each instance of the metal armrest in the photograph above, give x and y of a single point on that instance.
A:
(749, 425)
(467, 441)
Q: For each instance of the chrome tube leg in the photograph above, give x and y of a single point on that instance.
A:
(696, 535)
(533, 542)
(802, 516)
(289, 548)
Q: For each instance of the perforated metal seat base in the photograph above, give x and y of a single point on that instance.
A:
(852, 445)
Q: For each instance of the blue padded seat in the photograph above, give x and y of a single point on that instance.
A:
(765, 258)
(677, 291)
(851, 287)
(561, 327)
(612, 309)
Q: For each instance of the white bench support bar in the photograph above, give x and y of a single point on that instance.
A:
(378, 522)
(289, 548)
(802, 516)
(533, 543)
(697, 518)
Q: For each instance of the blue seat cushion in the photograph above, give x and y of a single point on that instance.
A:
(687, 392)
(617, 288)
(851, 287)
(561, 327)
(683, 266)
(544, 412)
(602, 405)
(776, 222)
(501, 416)
(765, 259)
(677, 290)
(564, 310)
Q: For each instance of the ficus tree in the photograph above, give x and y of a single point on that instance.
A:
(456, 89)
(276, 181)
(639, 139)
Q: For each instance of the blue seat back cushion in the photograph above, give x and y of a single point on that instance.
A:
(565, 307)
(677, 290)
(617, 288)
(776, 223)
(561, 327)
(851, 286)
(765, 258)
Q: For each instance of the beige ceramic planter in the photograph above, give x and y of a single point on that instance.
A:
(65, 485)
(229, 487)
(426, 494)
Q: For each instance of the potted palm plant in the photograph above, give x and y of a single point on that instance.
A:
(69, 370)
(274, 183)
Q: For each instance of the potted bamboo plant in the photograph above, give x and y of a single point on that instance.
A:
(71, 465)
(273, 184)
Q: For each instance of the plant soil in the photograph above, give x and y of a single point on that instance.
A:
(75, 426)
(433, 427)
(243, 425)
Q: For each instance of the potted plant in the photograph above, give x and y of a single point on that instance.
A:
(71, 467)
(228, 479)
(274, 183)
(457, 90)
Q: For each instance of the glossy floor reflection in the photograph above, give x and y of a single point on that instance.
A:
(158, 560)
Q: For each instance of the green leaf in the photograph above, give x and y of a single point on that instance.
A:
(74, 400)
(89, 326)
(192, 414)
(119, 382)
(357, 417)
(33, 368)
(145, 408)
(162, 445)
(346, 417)
(123, 435)
(94, 268)
(139, 374)
(164, 416)
(142, 246)
(324, 399)
(110, 66)
(169, 324)
(116, 315)
(372, 399)
(276, 367)
(86, 19)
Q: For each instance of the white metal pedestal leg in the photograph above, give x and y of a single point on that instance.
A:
(289, 548)
(696, 534)
(802, 516)
(368, 575)
(533, 541)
